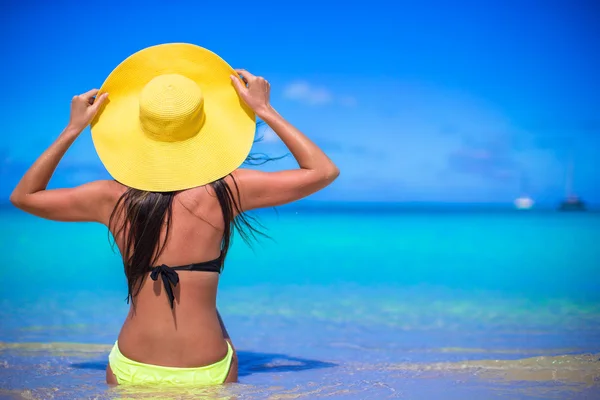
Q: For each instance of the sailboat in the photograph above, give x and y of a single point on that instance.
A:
(524, 202)
(572, 202)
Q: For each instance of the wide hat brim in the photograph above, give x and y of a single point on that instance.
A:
(138, 161)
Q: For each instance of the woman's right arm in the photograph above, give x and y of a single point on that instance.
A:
(259, 189)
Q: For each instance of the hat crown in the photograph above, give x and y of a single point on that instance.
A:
(171, 108)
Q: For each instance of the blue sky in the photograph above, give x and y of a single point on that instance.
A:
(459, 101)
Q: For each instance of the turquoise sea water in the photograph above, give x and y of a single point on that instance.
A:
(359, 303)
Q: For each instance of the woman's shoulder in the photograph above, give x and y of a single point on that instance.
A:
(110, 187)
(105, 191)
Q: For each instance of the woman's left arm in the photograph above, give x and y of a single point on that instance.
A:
(88, 202)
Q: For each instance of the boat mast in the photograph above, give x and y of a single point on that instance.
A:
(569, 180)
(523, 185)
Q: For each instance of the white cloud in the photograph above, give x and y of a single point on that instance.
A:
(303, 92)
(306, 93)
(268, 135)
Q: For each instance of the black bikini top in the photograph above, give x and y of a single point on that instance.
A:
(170, 277)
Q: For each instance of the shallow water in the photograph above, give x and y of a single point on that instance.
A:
(359, 305)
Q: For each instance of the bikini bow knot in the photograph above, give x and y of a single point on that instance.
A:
(169, 277)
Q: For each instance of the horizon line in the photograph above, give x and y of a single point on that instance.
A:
(383, 205)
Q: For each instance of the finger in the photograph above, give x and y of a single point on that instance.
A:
(88, 95)
(240, 76)
(247, 76)
(239, 86)
(99, 101)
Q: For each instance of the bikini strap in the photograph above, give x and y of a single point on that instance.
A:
(169, 277)
(208, 266)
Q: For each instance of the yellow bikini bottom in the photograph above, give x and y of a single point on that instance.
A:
(129, 372)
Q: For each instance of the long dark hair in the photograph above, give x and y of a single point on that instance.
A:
(140, 215)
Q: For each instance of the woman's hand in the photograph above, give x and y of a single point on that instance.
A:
(84, 108)
(257, 94)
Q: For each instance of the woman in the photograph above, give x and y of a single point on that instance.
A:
(172, 124)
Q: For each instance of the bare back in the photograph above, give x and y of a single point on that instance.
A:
(190, 334)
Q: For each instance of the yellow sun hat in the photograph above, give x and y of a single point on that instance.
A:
(173, 119)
